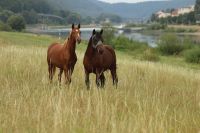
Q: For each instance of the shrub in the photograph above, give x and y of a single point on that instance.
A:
(156, 26)
(193, 56)
(4, 27)
(124, 43)
(150, 55)
(188, 43)
(170, 45)
(16, 22)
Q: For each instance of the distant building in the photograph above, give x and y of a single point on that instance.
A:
(161, 14)
(176, 12)
(181, 11)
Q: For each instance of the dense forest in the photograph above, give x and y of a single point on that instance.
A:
(30, 9)
(42, 11)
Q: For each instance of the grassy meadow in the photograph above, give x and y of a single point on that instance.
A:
(151, 97)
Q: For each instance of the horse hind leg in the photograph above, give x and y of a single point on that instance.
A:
(67, 76)
(102, 80)
(50, 69)
(114, 76)
(52, 72)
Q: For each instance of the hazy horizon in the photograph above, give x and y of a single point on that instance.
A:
(129, 1)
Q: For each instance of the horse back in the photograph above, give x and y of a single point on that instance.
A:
(111, 50)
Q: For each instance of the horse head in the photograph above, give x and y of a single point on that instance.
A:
(97, 40)
(76, 33)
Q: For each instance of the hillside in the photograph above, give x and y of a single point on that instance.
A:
(132, 11)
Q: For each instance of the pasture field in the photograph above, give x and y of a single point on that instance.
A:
(151, 97)
(192, 27)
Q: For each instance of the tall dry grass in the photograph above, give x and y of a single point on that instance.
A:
(151, 97)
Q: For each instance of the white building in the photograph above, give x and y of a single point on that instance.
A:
(185, 10)
(161, 14)
(175, 13)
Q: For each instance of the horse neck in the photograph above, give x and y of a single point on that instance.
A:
(70, 45)
(90, 51)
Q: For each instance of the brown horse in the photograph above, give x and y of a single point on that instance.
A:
(64, 56)
(99, 58)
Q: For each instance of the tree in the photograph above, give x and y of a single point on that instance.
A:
(30, 17)
(86, 20)
(197, 10)
(153, 17)
(16, 22)
(5, 14)
(73, 18)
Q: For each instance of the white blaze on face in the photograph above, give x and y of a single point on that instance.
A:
(99, 43)
(78, 33)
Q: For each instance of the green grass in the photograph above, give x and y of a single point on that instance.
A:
(151, 97)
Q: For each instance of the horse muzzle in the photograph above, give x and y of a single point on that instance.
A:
(78, 40)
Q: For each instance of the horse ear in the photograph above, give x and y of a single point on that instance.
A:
(94, 32)
(73, 26)
(79, 26)
(101, 32)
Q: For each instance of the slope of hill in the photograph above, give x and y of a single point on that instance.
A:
(137, 11)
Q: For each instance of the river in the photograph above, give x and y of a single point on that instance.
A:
(150, 39)
(86, 33)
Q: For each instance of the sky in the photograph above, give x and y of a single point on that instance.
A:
(128, 1)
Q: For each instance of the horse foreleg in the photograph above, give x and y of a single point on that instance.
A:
(98, 81)
(52, 70)
(70, 72)
(60, 76)
(67, 76)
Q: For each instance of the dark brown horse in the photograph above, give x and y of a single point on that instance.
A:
(99, 58)
(64, 56)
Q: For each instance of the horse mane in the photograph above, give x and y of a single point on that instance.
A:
(90, 41)
(88, 47)
(66, 41)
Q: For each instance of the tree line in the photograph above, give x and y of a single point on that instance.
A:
(26, 12)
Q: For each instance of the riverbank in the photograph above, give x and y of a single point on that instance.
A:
(187, 27)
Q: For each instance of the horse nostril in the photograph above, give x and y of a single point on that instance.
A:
(78, 40)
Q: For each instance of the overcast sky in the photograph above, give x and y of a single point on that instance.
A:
(129, 1)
